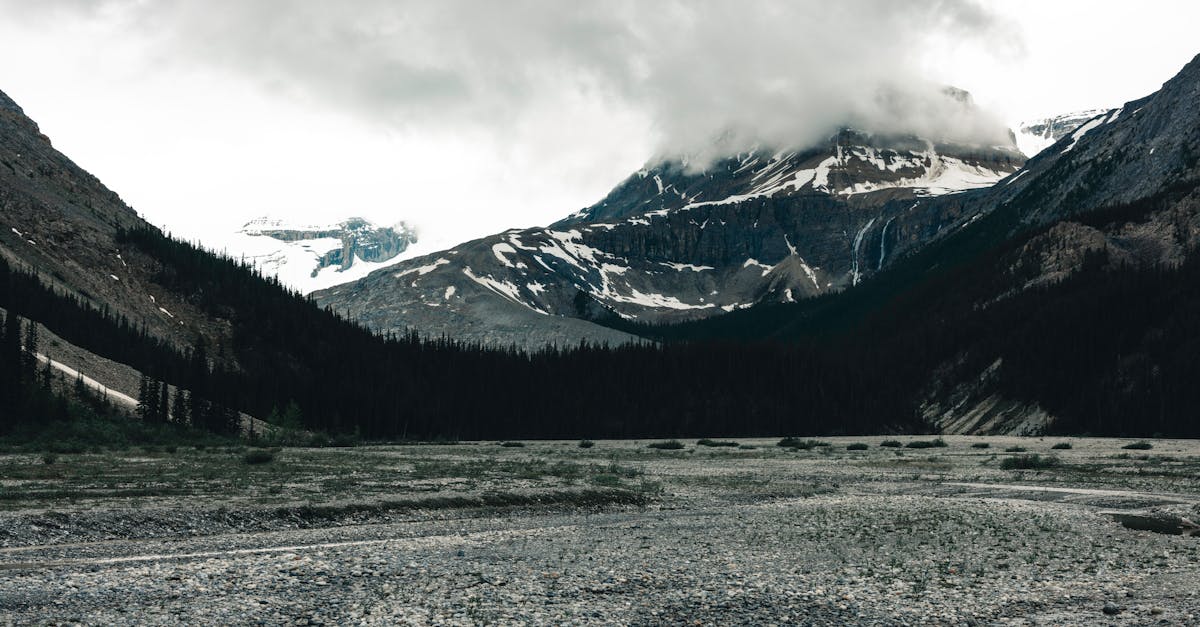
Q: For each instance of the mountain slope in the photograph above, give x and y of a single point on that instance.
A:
(61, 222)
(1069, 305)
(673, 242)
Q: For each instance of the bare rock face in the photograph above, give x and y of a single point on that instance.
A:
(674, 242)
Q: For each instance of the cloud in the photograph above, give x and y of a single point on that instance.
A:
(774, 71)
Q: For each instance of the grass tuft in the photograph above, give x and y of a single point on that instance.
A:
(891, 444)
(667, 445)
(512, 444)
(1015, 449)
(717, 443)
(938, 443)
(981, 445)
(797, 443)
(1030, 462)
(586, 444)
(1140, 445)
(1061, 446)
(857, 446)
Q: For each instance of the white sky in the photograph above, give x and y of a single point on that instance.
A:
(199, 134)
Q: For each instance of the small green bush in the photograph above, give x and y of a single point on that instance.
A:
(1140, 445)
(667, 445)
(512, 444)
(1030, 462)
(1061, 446)
(586, 444)
(708, 442)
(938, 443)
(981, 445)
(891, 444)
(1015, 449)
(857, 446)
(797, 443)
(258, 456)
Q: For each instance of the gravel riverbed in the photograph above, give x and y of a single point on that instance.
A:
(742, 536)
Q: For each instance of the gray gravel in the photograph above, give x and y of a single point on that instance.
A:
(871, 552)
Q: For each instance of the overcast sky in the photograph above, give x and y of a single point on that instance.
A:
(467, 118)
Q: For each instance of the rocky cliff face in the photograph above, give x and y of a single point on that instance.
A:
(674, 242)
(308, 258)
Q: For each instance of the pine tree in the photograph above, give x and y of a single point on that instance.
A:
(179, 409)
(143, 399)
(164, 404)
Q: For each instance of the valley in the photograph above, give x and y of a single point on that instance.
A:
(836, 530)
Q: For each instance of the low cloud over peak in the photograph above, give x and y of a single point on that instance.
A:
(777, 72)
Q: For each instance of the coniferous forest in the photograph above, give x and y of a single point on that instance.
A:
(1120, 373)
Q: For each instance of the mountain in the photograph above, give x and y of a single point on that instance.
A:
(1034, 136)
(312, 257)
(1069, 305)
(679, 240)
(61, 222)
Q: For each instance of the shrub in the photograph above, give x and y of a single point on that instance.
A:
(1029, 462)
(708, 442)
(1015, 449)
(49, 459)
(857, 446)
(891, 443)
(1061, 446)
(938, 443)
(667, 445)
(747, 447)
(512, 444)
(586, 444)
(258, 456)
(981, 445)
(1140, 445)
(801, 444)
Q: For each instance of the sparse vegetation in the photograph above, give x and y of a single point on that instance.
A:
(891, 444)
(666, 445)
(1031, 461)
(586, 444)
(1140, 445)
(717, 443)
(1061, 446)
(981, 445)
(512, 444)
(1015, 449)
(857, 446)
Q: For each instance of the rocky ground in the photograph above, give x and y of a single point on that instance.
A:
(550, 533)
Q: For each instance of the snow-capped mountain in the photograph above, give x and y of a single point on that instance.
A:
(1034, 136)
(674, 241)
(313, 257)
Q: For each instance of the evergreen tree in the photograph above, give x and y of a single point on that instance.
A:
(144, 399)
(179, 409)
(164, 405)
